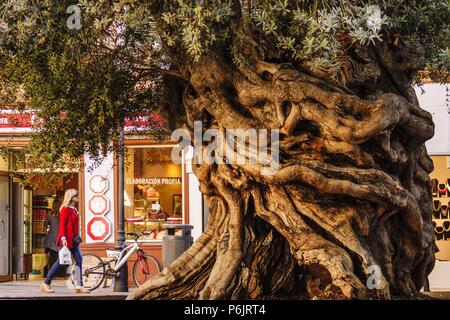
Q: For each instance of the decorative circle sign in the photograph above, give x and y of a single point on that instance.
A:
(98, 205)
(98, 184)
(98, 229)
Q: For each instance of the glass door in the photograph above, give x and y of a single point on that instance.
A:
(28, 222)
(4, 226)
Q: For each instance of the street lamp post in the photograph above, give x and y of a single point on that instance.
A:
(121, 283)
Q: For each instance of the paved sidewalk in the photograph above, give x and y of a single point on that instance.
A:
(29, 290)
(442, 295)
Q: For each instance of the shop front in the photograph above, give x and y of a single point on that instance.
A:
(24, 209)
(433, 99)
(153, 190)
(157, 192)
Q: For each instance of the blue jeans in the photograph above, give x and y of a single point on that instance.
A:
(76, 253)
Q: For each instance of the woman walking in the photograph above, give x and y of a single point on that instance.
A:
(68, 231)
(52, 227)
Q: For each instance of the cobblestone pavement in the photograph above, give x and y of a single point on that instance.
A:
(30, 290)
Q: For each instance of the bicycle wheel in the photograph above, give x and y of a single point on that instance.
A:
(93, 271)
(145, 269)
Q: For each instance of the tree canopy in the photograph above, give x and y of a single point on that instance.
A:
(85, 81)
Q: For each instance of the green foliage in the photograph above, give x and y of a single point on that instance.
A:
(85, 82)
(306, 29)
(35, 172)
(198, 26)
(311, 31)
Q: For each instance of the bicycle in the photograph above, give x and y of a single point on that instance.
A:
(95, 270)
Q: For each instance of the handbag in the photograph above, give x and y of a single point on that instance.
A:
(77, 240)
(65, 257)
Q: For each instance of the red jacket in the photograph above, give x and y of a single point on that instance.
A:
(68, 226)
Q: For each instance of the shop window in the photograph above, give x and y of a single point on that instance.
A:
(440, 188)
(153, 190)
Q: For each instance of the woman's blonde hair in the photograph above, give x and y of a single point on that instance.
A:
(68, 195)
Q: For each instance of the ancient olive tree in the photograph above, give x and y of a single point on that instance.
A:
(347, 214)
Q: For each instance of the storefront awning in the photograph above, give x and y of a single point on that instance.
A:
(16, 122)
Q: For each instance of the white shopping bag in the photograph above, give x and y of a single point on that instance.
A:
(65, 257)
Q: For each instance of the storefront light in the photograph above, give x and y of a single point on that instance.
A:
(173, 170)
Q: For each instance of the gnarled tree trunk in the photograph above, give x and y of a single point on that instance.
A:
(352, 192)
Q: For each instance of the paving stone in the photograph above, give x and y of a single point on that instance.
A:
(30, 289)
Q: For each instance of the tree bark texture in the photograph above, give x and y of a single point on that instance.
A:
(352, 191)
